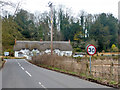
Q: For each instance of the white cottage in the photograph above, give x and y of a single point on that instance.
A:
(31, 48)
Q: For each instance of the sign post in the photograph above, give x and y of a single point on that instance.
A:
(90, 64)
(6, 53)
(91, 50)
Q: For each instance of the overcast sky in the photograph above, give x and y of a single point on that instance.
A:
(90, 6)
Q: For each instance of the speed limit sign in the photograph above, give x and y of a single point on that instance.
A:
(91, 49)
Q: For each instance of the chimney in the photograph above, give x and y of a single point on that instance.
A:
(41, 40)
(69, 41)
(15, 41)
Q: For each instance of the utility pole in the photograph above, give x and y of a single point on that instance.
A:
(119, 11)
(50, 5)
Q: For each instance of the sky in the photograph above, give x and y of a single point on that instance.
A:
(75, 6)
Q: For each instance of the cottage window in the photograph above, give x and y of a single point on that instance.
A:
(20, 54)
(23, 48)
(35, 48)
(48, 48)
(27, 48)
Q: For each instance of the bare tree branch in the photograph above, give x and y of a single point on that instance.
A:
(17, 8)
(3, 3)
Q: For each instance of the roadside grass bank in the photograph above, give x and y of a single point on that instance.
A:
(9, 57)
(81, 76)
(103, 71)
(2, 62)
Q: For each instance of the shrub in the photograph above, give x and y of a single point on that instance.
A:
(78, 50)
(114, 48)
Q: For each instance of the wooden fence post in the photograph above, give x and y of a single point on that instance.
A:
(111, 71)
(87, 68)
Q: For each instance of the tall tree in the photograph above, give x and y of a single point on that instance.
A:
(26, 22)
(104, 30)
(10, 32)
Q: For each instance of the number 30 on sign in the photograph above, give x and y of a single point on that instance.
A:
(91, 49)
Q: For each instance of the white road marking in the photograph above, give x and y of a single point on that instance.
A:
(28, 73)
(19, 64)
(22, 68)
(40, 83)
(43, 86)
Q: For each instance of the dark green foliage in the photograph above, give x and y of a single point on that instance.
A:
(104, 30)
(10, 32)
(26, 22)
(100, 30)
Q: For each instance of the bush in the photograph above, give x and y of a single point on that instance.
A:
(5, 57)
(2, 59)
(78, 50)
(95, 57)
(102, 54)
(114, 48)
(113, 55)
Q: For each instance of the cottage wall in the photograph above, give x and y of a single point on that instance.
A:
(66, 53)
(31, 48)
(16, 53)
(47, 51)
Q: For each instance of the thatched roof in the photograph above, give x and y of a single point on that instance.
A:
(42, 45)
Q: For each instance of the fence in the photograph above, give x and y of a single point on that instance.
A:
(106, 69)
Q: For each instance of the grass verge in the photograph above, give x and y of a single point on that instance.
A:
(2, 64)
(9, 57)
(81, 75)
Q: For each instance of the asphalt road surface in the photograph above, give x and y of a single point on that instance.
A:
(18, 73)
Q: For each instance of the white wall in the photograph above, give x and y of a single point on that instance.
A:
(60, 53)
(66, 53)
(57, 51)
(48, 51)
(36, 52)
(27, 53)
(16, 53)
(28, 57)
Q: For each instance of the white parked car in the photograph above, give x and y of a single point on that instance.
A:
(77, 55)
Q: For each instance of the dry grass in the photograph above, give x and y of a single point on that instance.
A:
(1, 62)
(105, 69)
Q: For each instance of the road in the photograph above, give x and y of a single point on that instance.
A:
(18, 73)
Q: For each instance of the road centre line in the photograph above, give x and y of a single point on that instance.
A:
(19, 64)
(43, 86)
(40, 83)
(22, 68)
(28, 73)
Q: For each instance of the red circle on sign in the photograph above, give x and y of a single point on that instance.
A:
(94, 48)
